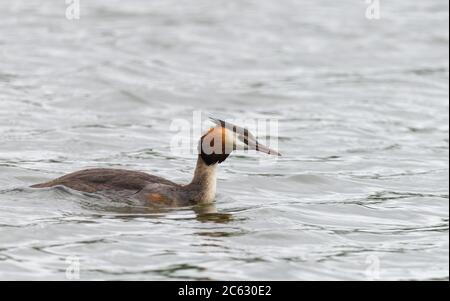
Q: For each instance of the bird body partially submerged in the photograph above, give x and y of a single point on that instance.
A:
(214, 148)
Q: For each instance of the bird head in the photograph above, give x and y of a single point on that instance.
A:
(219, 142)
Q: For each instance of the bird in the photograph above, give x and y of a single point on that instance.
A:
(214, 147)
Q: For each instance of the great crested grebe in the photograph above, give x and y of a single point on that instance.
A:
(214, 148)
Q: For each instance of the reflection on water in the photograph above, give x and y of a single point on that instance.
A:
(209, 213)
(363, 119)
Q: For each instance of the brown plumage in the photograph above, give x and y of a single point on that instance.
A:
(102, 179)
(214, 148)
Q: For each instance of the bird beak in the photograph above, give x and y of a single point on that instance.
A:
(264, 149)
(255, 145)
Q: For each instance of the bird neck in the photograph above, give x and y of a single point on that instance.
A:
(204, 183)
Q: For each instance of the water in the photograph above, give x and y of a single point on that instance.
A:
(362, 191)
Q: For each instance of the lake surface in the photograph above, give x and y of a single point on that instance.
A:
(362, 189)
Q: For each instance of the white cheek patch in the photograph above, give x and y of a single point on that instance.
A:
(219, 141)
(211, 144)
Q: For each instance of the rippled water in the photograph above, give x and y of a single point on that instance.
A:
(362, 191)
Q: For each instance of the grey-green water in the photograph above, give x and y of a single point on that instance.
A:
(362, 191)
